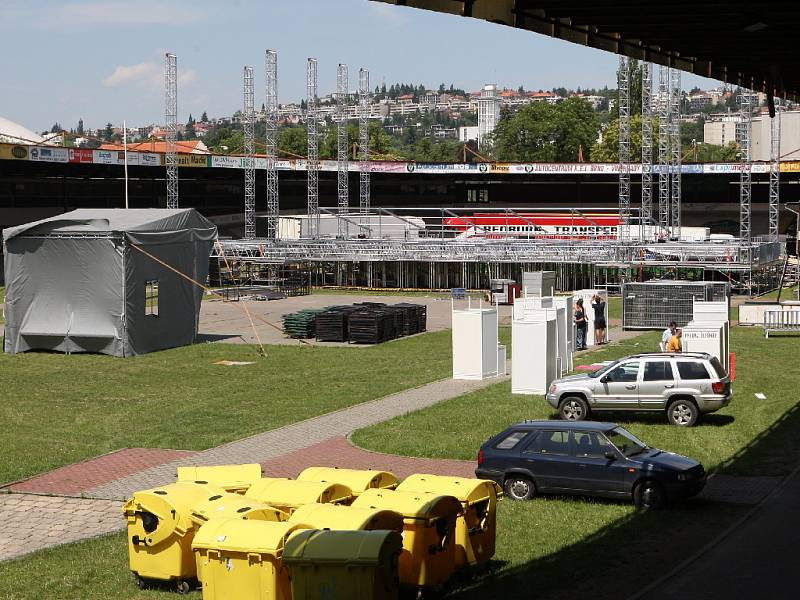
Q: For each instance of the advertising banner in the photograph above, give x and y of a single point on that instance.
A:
(45, 154)
(13, 152)
(388, 167)
(144, 159)
(229, 162)
(790, 166)
(80, 155)
(106, 157)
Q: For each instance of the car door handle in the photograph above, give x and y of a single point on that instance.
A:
(669, 385)
(630, 387)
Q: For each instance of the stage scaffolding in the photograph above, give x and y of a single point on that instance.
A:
(434, 256)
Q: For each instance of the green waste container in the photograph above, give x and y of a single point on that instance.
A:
(343, 565)
(476, 527)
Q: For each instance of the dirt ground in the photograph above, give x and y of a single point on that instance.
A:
(229, 322)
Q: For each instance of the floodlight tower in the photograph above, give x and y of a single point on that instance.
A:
(343, 192)
(647, 148)
(775, 173)
(312, 164)
(171, 126)
(271, 105)
(363, 140)
(675, 151)
(744, 132)
(623, 80)
(663, 149)
(248, 126)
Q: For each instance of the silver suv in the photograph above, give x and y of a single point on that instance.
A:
(684, 385)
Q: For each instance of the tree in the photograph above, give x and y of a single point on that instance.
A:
(80, 127)
(204, 117)
(108, 133)
(293, 141)
(607, 149)
(543, 132)
(191, 120)
(56, 128)
(190, 132)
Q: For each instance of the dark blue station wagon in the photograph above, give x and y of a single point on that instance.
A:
(586, 458)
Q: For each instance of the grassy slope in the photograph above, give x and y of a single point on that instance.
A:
(542, 541)
(61, 409)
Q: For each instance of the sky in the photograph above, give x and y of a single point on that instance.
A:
(103, 60)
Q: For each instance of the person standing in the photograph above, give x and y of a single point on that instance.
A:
(581, 325)
(599, 306)
(674, 345)
(667, 335)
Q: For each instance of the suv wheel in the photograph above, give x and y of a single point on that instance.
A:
(518, 487)
(649, 495)
(682, 413)
(573, 408)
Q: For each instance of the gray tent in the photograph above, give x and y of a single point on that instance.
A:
(75, 283)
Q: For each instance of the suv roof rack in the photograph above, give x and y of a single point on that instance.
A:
(670, 354)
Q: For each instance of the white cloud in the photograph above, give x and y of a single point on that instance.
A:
(393, 15)
(147, 75)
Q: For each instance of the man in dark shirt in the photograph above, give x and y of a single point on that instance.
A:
(599, 306)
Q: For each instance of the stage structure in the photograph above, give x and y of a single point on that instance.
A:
(248, 129)
(312, 167)
(271, 139)
(343, 193)
(171, 126)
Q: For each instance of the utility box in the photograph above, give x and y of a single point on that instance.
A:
(534, 362)
(538, 283)
(344, 565)
(474, 343)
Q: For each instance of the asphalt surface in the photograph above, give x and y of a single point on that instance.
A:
(758, 560)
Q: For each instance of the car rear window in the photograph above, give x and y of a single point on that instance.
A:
(718, 368)
(658, 371)
(551, 442)
(511, 440)
(692, 370)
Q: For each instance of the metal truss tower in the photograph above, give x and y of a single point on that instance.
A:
(663, 149)
(171, 126)
(775, 174)
(647, 148)
(248, 126)
(675, 151)
(271, 104)
(342, 188)
(363, 139)
(312, 167)
(744, 132)
(624, 105)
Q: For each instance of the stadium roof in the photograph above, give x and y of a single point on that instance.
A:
(14, 133)
(752, 44)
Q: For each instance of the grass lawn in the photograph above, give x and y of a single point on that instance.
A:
(60, 409)
(541, 542)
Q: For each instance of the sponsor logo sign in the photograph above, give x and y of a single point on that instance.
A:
(189, 160)
(13, 151)
(80, 155)
(44, 154)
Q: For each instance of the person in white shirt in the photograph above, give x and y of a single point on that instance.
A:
(668, 333)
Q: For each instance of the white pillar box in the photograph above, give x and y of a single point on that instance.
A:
(587, 307)
(474, 343)
(524, 305)
(566, 302)
(708, 336)
(703, 311)
(538, 283)
(501, 359)
(534, 341)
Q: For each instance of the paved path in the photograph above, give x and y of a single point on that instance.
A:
(285, 440)
(31, 522)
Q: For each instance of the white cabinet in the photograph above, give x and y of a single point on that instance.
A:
(708, 336)
(474, 343)
(535, 343)
(538, 283)
(567, 303)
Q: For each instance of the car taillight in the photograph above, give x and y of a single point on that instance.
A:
(480, 457)
(717, 387)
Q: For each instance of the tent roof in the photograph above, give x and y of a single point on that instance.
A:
(113, 220)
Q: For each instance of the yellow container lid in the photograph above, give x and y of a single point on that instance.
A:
(335, 517)
(467, 490)
(293, 493)
(227, 477)
(357, 480)
(228, 505)
(412, 505)
(249, 537)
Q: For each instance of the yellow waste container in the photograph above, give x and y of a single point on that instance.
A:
(231, 478)
(160, 533)
(232, 506)
(357, 480)
(289, 494)
(242, 559)
(428, 559)
(332, 516)
(476, 528)
(343, 565)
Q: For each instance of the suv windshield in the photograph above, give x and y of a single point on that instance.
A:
(626, 442)
(602, 369)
